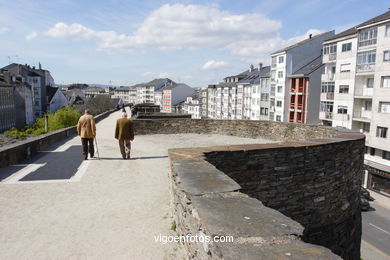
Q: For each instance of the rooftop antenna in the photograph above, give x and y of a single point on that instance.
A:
(9, 59)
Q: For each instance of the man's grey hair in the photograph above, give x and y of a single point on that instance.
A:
(86, 111)
(124, 114)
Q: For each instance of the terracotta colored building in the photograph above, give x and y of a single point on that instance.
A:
(305, 89)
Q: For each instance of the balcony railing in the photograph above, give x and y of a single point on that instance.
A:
(326, 115)
(365, 67)
(366, 42)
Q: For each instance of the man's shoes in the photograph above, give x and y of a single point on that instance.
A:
(85, 156)
(128, 156)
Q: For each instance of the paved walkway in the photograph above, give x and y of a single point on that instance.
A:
(111, 209)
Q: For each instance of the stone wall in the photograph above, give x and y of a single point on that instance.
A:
(312, 176)
(244, 128)
(317, 186)
(25, 149)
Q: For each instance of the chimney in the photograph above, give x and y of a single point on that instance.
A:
(7, 76)
(40, 66)
(251, 68)
(310, 36)
(260, 65)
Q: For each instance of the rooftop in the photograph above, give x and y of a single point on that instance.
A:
(309, 68)
(302, 42)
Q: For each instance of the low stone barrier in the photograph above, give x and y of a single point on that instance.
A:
(297, 199)
(25, 149)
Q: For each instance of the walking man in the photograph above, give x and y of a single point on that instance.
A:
(124, 132)
(87, 131)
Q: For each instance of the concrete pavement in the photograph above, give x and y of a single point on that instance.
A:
(105, 209)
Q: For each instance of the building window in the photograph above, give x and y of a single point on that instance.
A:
(264, 96)
(386, 155)
(346, 47)
(370, 82)
(264, 111)
(367, 37)
(327, 87)
(385, 82)
(330, 48)
(384, 107)
(278, 118)
(345, 67)
(372, 151)
(387, 32)
(386, 56)
(280, 89)
(368, 105)
(280, 74)
(381, 132)
(366, 128)
(326, 106)
(273, 62)
(281, 59)
(342, 110)
(279, 103)
(343, 89)
(366, 61)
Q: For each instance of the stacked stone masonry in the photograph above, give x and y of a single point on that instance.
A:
(309, 184)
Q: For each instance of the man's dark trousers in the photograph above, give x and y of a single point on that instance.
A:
(87, 147)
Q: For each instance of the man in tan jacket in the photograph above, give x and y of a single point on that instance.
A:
(87, 131)
(124, 132)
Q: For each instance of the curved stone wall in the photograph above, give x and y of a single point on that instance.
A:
(312, 176)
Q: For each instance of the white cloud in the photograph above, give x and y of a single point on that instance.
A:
(31, 35)
(212, 64)
(3, 30)
(163, 75)
(179, 26)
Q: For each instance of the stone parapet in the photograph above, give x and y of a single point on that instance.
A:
(296, 199)
(25, 149)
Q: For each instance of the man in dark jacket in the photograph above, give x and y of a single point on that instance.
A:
(124, 132)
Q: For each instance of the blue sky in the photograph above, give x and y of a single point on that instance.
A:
(122, 42)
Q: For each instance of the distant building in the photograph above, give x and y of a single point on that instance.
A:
(39, 79)
(175, 94)
(55, 99)
(285, 62)
(305, 88)
(239, 96)
(91, 92)
(122, 93)
(193, 105)
(16, 107)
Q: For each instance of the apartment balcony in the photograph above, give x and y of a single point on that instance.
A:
(366, 43)
(327, 77)
(331, 57)
(273, 65)
(364, 68)
(327, 96)
(326, 115)
(364, 93)
(362, 116)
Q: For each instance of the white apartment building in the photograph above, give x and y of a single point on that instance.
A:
(356, 92)
(192, 106)
(232, 99)
(284, 63)
(123, 94)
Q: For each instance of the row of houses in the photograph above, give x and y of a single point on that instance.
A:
(162, 92)
(26, 93)
(340, 80)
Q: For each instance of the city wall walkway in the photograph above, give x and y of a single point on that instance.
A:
(58, 206)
